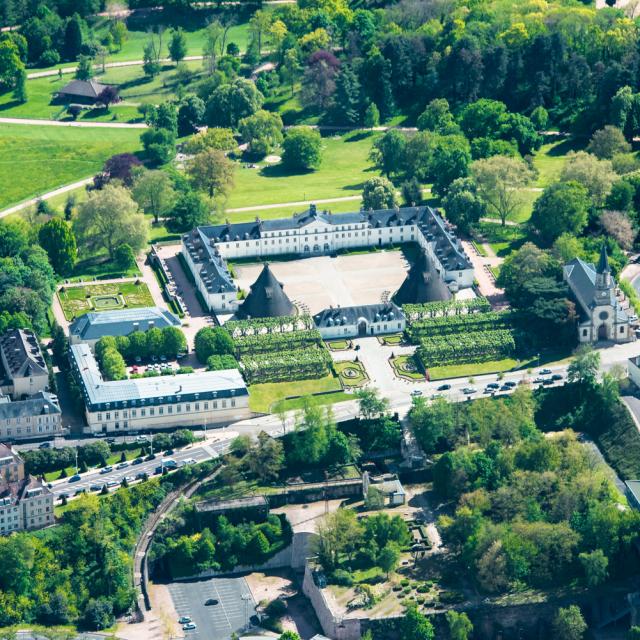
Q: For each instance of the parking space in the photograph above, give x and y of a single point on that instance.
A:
(215, 622)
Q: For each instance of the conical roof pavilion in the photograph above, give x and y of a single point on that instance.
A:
(422, 284)
(267, 298)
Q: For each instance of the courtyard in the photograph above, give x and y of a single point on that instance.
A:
(347, 280)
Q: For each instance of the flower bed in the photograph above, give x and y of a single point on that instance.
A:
(351, 374)
(407, 367)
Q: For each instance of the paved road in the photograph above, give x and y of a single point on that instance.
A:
(215, 622)
(74, 123)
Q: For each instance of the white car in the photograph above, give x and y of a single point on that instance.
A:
(184, 620)
(190, 626)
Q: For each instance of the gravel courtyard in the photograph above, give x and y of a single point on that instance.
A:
(323, 281)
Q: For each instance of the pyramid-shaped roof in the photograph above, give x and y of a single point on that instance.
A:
(422, 284)
(267, 298)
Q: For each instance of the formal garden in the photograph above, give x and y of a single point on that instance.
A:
(407, 367)
(352, 374)
(76, 301)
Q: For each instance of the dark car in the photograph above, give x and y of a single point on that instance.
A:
(151, 456)
(210, 602)
(110, 440)
(505, 387)
(444, 387)
(141, 476)
(548, 381)
(493, 385)
(79, 492)
(75, 478)
(137, 461)
(510, 383)
(95, 487)
(45, 445)
(556, 376)
(169, 452)
(158, 470)
(63, 496)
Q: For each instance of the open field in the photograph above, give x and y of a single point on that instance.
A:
(345, 167)
(263, 396)
(34, 160)
(76, 301)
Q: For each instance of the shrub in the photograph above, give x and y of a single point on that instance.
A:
(276, 608)
(342, 578)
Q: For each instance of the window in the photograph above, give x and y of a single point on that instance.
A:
(143, 412)
(233, 402)
(108, 416)
(169, 409)
(179, 408)
(161, 411)
(206, 406)
(152, 411)
(188, 408)
(584, 333)
(197, 406)
(621, 329)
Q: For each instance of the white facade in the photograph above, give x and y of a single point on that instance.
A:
(207, 249)
(25, 425)
(365, 320)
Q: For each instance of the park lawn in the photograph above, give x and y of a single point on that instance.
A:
(263, 396)
(76, 301)
(345, 168)
(34, 160)
(550, 158)
(472, 369)
(523, 213)
(135, 88)
(345, 206)
(502, 240)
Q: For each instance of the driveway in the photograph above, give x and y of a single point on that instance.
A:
(217, 622)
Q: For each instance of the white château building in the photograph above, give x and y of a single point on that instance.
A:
(313, 233)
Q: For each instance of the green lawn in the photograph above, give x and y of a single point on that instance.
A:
(345, 167)
(351, 374)
(263, 396)
(550, 158)
(135, 88)
(407, 367)
(34, 160)
(77, 301)
(503, 240)
(285, 212)
(473, 369)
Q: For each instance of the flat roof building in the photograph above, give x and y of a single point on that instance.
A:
(158, 402)
(90, 327)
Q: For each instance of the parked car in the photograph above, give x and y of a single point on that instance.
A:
(190, 626)
(113, 483)
(556, 377)
(544, 372)
(122, 465)
(538, 380)
(493, 385)
(106, 469)
(469, 390)
(210, 602)
(505, 387)
(444, 387)
(110, 440)
(45, 445)
(95, 487)
(151, 456)
(170, 463)
(416, 392)
(510, 384)
(548, 381)
(79, 492)
(169, 452)
(141, 475)
(75, 477)
(137, 461)
(184, 620)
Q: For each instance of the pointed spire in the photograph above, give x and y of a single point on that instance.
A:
(422, 284)
(267, 298)
(603, 263)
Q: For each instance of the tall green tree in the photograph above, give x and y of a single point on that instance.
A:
(569, 623)
(153, 192)
(57, 239)
(302, 149)
(177, 45)
(347, 98)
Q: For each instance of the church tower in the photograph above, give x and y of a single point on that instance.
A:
(603, 277)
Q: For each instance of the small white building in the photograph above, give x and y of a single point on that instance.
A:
(364, 320)
(24, 367)
(314, 233)
(388, 485)
(193, 399)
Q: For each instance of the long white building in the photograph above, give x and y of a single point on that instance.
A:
(312, 233)
(161, 402)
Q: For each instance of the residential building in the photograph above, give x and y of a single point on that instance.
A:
(313, 233)
(35, 417)
(25, 502)
(90, 327)
(363, 320)
(193, 399)
(600, 312)
(25, 371)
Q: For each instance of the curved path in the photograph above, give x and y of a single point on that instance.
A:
(74, 123)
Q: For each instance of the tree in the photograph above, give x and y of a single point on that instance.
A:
(339, 533)
(462, 204)
(378, 193)
(190, 115)
(302, 149)
(10, 63)
(108, 96)
(177, 45)
(84, 70)
(189, 211)
(266, 458)
(371, 404)
(124, 257)
(262, 132)
(211, 171)
(290, 68)
(289, 635)
(607, 142)
(562, 208)
(416, 626)
(540, 118)
(569, 624)
(347, 97)
(122, 167)
(460, 627)
(500, 180)
(109, 218)
(98, 614)
(150, 64)
(229, 103)
(153, 192)
(594, 565)
(159, 145)
(371, 116)
(57, 239)
(20, 89)
(212, 138)
(388, 152)
(173, 342)
(388, 558)
(73, 37)
(120, 33)
(319, 80)
(621, 196)
(212, 341)
(584, 368)
(634, 633)
(450, 157)
(437, 117)
(618, 225)
(259, 24)
(596, 176)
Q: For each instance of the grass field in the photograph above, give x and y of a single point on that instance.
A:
(34, 160)
(263, 396)
(345, 167)
(474, 369)
(76, 301)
